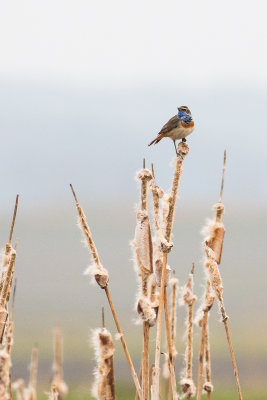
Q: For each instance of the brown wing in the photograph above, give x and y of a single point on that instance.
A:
(170, 125)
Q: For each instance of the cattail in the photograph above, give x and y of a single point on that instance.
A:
(202, 321)
(166, 244)
(101, 276)
(31, 389)
(8, 247)
(5, 291)
(54, 394)
(104, 386)
(4, 374)
(96, 270)
(58, 381)
(19, 389)
(188, 298)
(142, 245)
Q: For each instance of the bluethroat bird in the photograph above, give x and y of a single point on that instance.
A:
(178, 127)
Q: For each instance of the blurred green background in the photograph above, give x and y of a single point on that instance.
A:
(83, 89)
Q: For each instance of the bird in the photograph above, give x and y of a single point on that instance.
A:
(178, 127)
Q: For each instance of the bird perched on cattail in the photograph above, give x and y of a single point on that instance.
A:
(178, 127)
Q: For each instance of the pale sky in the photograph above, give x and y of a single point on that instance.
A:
(134, 42)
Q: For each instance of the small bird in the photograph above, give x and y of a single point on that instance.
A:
(178, 127)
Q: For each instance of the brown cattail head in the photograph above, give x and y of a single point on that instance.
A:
(104, 386)
(215, 233)
(96, 270)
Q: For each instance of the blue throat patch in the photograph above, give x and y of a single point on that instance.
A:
(183, 116)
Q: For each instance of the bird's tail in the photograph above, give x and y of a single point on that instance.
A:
(157, 139)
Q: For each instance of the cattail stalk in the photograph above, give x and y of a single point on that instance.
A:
(189, 299)
(204, 346)
(101, 276)
(144, 255)
(183, 150)
(33, 375)
(104, 385)
(58, 381)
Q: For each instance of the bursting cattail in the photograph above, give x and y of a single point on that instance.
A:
(5, 291)
(31, 389)
(53, 395)
(101, 276)
(142, 245)
(188, 298)
(19, 388)
(4, 375)
(204, 353)
(58, 381)
(104, 386)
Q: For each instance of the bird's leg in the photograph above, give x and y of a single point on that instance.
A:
(175, 147)
(184, 140)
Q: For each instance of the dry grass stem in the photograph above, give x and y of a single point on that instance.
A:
(101, 277)
(104, 385)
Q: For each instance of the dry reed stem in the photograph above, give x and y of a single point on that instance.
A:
(127, 354)
(104, 386)
(140, 376)
(58, 381)
(103, 283)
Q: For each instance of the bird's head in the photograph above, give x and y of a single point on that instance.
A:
(184, 109)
